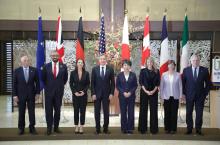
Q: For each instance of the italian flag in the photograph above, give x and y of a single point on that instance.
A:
(185, 45)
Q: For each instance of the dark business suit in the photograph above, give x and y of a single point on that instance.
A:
(102, 88)
(54, 89)
(26, 92)
(127, 104)
(195, 92)
(79, 102)
(149, 79)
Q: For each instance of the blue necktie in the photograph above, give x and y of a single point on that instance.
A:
(195, 74)
(102, 73)
(26, 74)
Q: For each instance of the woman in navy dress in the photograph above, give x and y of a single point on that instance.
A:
(126, 84)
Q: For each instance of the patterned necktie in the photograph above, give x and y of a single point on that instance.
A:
(55, 70)
(102, 73)
(26, 74)
(195, 74)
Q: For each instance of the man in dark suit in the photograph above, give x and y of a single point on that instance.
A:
(102, 90)
(54, 76)
(196, 85)
(26, 89)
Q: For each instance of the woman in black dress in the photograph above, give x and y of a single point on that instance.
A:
(79, 84)
(149, 80)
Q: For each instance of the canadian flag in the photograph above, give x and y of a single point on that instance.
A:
(164, 51)
(125, 51)
(146, 43)
(59, 40)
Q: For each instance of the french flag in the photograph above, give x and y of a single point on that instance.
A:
(59, 40)
(164, 51)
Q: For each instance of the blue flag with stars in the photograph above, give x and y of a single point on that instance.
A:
(40, 55)
(102, 36)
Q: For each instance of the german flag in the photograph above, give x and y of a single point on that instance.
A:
(80, 42)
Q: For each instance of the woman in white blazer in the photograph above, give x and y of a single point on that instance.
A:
(171, 92)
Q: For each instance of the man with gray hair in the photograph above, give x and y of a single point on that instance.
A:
(196, 86)
(26, 89)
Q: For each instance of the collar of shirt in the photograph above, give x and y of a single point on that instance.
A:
(104, 66)
(57, 67)
(24, 68)
(197, 70)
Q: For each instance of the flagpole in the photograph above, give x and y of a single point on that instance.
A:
(180, 102)
(63, 119)
(43, 119)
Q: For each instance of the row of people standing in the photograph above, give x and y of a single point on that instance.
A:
(54, 75)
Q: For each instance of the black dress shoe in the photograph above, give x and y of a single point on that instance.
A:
(172, 132)
(49, 132)
(97, 132)
(129, 132)
(21, 132)
(33, 131)
(167, 131)
(57, 130)
(106, 131)
(124, 131)
(199, 132)
(188, 132)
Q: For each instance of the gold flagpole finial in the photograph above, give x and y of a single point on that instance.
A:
(185, 11)
(58, 10)
(148, 11)
(165, 11)
(80, 10)
(39, 9)
(126, 11)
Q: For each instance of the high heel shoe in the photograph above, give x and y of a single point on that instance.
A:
(81, 130)
(76, 130)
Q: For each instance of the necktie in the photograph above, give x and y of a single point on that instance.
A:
(55, 70)
(102, 73)
(195, 74)
(26, 74)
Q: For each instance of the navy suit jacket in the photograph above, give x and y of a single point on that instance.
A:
(102, 87)
(21, 88)
(126, 86)
(54, 86)
(196, 89)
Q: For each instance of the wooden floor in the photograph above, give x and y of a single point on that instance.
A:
(11, 134)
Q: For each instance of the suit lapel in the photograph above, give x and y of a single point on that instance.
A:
(191, 73)
(22, 72)
(199, 74)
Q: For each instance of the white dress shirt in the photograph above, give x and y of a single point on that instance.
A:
(171, 84)
(101, 66)
(126, 76)
(197, 71)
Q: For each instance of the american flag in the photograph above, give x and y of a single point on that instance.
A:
(102, 36)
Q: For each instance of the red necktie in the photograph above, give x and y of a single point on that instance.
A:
(55, 70)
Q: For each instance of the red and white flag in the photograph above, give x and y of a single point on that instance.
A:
(164, 50)
(59, 40)
(146, 42)
(125, 51)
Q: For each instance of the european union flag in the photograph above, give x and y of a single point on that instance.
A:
(102, 36)
(40, 55)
